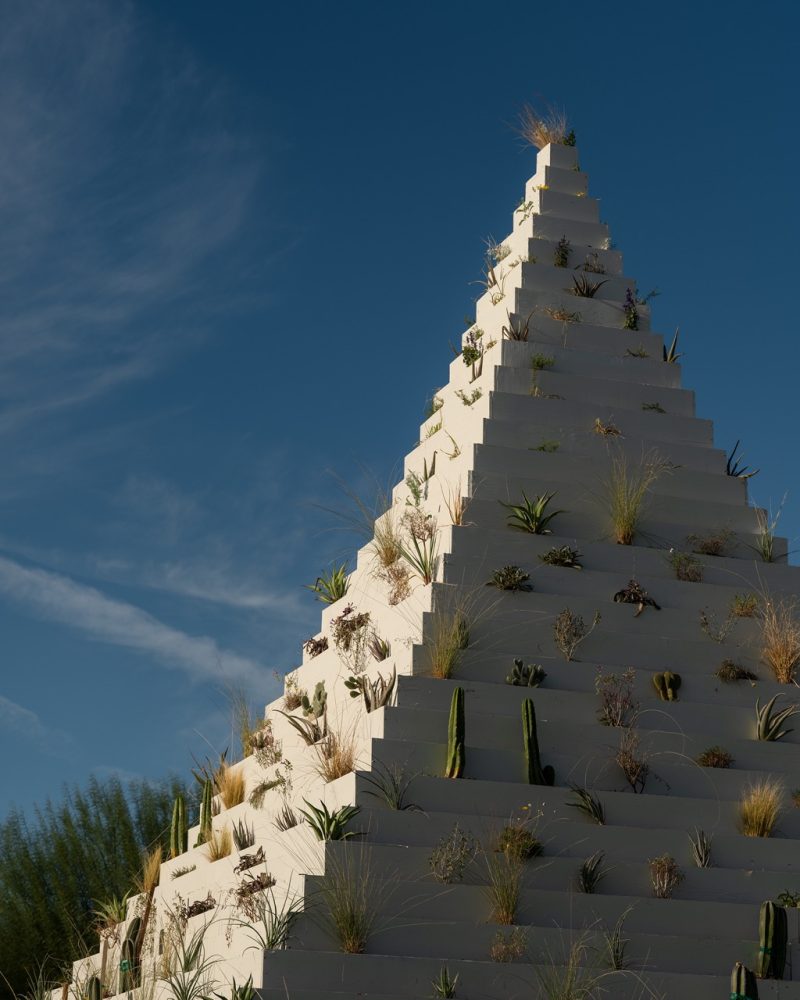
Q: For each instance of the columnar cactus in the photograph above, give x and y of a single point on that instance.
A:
(127, 964)
(743, 983)
(94, 989)
(456, 752)
(205, 813)
(179, 831)
(667, 685)
(537, 775)
(531, 675)
(772, 934)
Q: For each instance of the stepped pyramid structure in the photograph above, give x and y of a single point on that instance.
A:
(469, 853)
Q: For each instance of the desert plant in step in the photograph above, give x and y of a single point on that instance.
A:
(686, 567)
(635, 593)
(743, 983)
(588, 804)
(205, 813)
(626, 492)
(769, 722)
(772, 940)
(618, 707)
(456, 749)
(569, 631)
(329, 824)
(530, 675)
(444, 985)
(700, 843)
(665, 875)
(376, 694)
(330, 586)
(536, 774)
(715, 756)
(452, 855)
(562, 252)
(561, 555)
(667, 685)
(531, 515)
(510, 578)
(179, 830)
(780, 637)
(760, 808)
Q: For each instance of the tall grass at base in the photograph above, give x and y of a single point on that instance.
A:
(504, 877)
(351, 895)
(626, 492)
(449, 638)
(760, 808)
(230, 786)
(336, 754)
(780, 637)
(219, 844)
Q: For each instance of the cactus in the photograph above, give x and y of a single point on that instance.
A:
(127, 965)
(455, 737)
(315, 706)
(205, 814)
(772, 933)
(94, 989)
(537, 775)
(178, 831)
(522, 676)
(667, 685)
(743, 983)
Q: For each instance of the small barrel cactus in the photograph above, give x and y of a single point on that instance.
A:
(667, 685)
(531, 675)
(743, 983)
(456, 751)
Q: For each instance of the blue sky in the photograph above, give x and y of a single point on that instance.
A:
(235, 243)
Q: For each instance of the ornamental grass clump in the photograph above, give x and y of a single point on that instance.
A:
(780, 637)
(760, 808)
(627, 491)
(540, 128)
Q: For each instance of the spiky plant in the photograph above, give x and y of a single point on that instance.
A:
(531, 516)
(330, 586)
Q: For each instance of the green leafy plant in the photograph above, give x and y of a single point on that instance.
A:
(636, 352)
(504, 873)
(468, 399)
(588, 804)
(653, 407)
(562, 252)
(518, 842)
(592, 872)
(569, 631)
(510, 578)
(531, 675)
(352, 895)
(686, 567)
(561, 555)
(548, 447)
(376, 693)
(700, 843)
(243, 834)
(629, 312)
(584, 288)
(239, 991)
(715, 756)
(745, 606)
(531, 515)
(769, 721)
(452, 855)
(541, 362)
(329, 824)
(562, 315)
(788, 898)
(269, 920)
(618, 707)
(517, 328)
(331, 586)
(665, 875)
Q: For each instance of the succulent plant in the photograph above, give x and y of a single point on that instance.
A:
(510, 578)
(743, 983)
(94, 989)
(667, 684)
(769, 722)
(634, 593)
(521, 675)
(315, 706)
(455, 737)
(179, 831)
(205, 813)
(537, 775)
(772, 935)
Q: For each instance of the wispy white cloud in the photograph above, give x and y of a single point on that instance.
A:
(20, 720)
(85, 609)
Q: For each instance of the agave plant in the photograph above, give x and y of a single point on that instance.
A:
(330, 825)
(769, 721)
(671, 355)
(331, 586)
(532, 515)
(734, 467)
(584, 288)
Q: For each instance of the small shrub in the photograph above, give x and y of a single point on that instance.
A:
(452, 855)
(715, 630)
(562, 315)
(183, 870)
(715, 544)
(562, 252)
(508, 946)
(666, 876)
(230, 786)
(469, 399)
(540, 362)
(745, 606)
(715, 756)
(760, 808)
(780, 638)
(632, 760)
(605, 430)
(329, 824)
(584, 287)
(635, 593)
(548, 447)
(637, 352)
(335, 755)
(314, 647)
(569, 631)
(540, 128)
(618, 707)
(788, 898)
(518, 842)
(653, 408)
(686, 567)
(510, 578)
(561, 555)
(630, 312)
(728, 672)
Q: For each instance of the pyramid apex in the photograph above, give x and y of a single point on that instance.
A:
(556, 154)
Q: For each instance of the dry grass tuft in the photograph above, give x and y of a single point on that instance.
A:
(336, 754)
(220, 844)
(539, 129)
(760, 808)
(626, 492)
(504, 877)
(387, 542)
(455, 504)
(780, 637)
(151, 870)
(230, 786)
